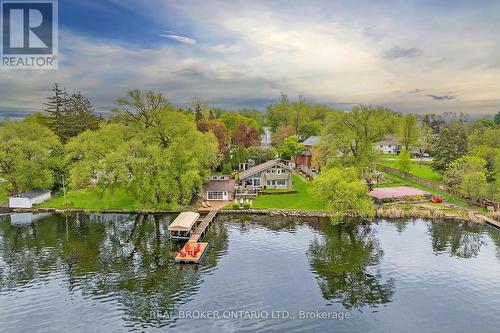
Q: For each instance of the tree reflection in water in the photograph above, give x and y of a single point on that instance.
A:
(458, 238)
(346, 260)
(127, 258)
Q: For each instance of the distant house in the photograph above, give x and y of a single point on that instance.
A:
(305, 159)
(220, 187)
(388, 146)
(28, 199)
(274, 174)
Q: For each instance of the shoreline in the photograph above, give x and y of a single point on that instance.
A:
(381, 212)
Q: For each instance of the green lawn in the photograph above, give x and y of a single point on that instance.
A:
(302, 200)
(89, 199)
(395, 180)
(424, 171)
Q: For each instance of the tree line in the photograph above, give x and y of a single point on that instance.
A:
(162, 153)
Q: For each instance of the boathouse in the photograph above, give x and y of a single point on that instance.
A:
(183, 225)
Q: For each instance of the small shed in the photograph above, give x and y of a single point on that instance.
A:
(28, 199)
(181, 227)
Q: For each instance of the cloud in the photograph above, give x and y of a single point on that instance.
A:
(252, 51)
(415, 91)
(399, 52)
(180, 39)
(442, 97)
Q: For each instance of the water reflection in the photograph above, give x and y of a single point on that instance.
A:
(458, 238)
(126, 262)
(346, 261)
(126, 258)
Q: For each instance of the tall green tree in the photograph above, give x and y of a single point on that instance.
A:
(450, 145)
(69, 115)
(497, 118)
(141, 107)
(408, 132)
(55, 106)
(404, 162)
(344, 192)
(290, 147)
(467, 176)
(348, 137)
(27, 156)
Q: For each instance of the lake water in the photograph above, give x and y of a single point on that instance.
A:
(114, 273)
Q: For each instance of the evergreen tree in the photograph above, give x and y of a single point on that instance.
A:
(56, 109)
(211, 115)
(69, 115)
(450, 145)
(497, 118)
(80, 113)
(198, 114)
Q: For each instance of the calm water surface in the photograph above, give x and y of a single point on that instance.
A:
(114, 273)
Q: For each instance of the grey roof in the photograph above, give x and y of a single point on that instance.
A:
(311, 141)
(32, 194)
(386, 143)
(220, 185)
(262, 167)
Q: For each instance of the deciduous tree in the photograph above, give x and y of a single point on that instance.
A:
(344, 192)
(408, 132)
(290, 147)
(467, 176)
(246, 136)
(27, 155)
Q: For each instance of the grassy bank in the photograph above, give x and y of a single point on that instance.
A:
(301, 200)
(420, 170)
(89, 199)
(395, 180)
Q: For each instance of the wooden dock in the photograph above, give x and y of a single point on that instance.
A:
(488, 220)
(191, 258)
(201, 229)
(195, 239)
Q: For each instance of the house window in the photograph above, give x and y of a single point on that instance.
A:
(256, 182)
(214, 195)
(281, 182)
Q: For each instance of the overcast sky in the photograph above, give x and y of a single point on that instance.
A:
(413, 56)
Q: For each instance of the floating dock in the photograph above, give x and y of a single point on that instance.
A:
(187, 254)
(190, 256)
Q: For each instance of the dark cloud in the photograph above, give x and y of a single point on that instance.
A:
(400, 52)
(442, 97)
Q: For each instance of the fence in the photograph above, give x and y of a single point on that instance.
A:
(425, 182)
(440, 187)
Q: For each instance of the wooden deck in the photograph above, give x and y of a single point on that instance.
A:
(190, 259)
(215, 205)
(200, 230)
(488, 220)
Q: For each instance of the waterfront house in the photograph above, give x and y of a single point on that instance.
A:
(28, 199)
(219, 187)
(388, 146)
(274, 174)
